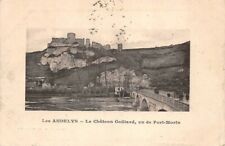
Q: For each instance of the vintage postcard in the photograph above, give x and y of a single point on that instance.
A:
(112, 72)
(76, 73)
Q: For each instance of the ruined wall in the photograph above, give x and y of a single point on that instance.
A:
(96, 45)
(80, 41)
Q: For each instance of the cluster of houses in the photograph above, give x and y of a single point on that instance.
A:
(37, 82)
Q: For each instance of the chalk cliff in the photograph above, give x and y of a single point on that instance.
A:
(166, 67)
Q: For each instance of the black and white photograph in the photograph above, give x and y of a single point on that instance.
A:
(109, 63)
(112, 72)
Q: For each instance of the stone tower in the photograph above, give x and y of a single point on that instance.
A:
(71, 37)
(120, 46)
(88, 43)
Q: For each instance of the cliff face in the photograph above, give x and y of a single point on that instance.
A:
(166, 67)
(121, 76)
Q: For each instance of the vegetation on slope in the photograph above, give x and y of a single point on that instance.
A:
(168, 67)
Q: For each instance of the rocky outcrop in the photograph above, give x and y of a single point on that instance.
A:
(63, 61)
(105, 59)
(166, 67)
(59, 58)
(121, 75)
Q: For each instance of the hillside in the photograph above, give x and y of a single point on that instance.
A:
(167, 67)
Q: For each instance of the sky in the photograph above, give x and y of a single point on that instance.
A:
(142, 25)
